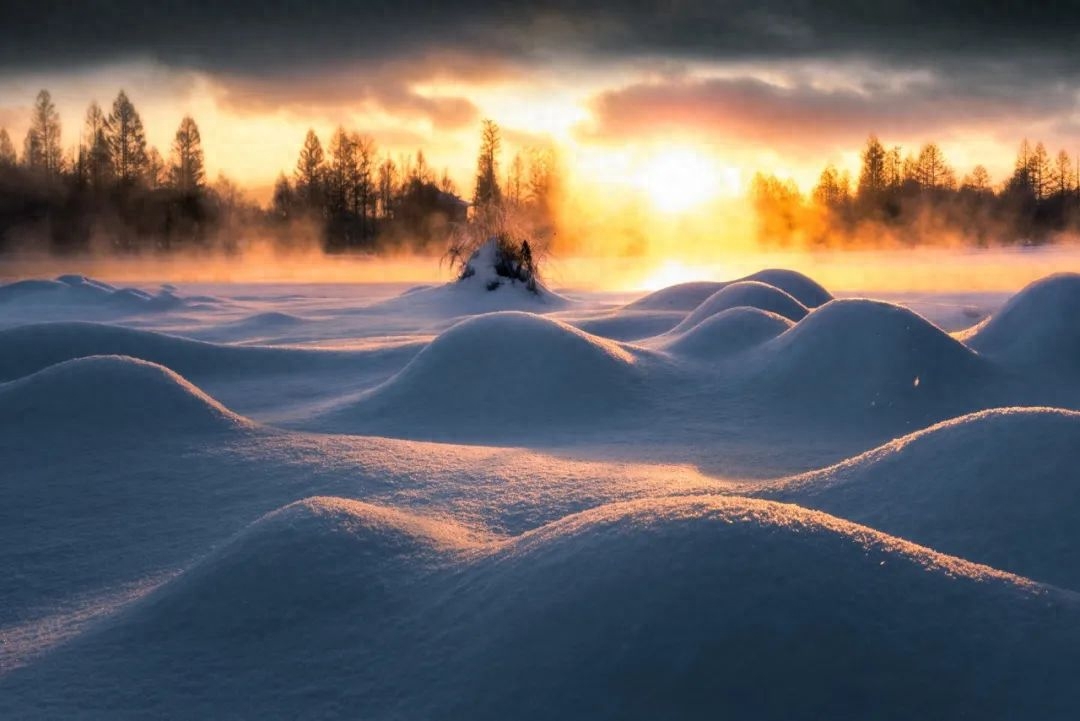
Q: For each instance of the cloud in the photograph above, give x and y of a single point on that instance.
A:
(249, 37)
(793, 112)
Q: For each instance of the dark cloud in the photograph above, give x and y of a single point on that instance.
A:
(798, 114)
(1000, 57)
(268, 36)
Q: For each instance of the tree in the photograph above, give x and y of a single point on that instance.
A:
(127, 141)
(187, 173)
(32, 153)
(1064, 178)
(156, 174)
(362, 182)
(832, 189)
(339, 173)
(7, 150)
(932, 172)
(1040, 171)
(96, 154)
(543, 180)
(488, 195)
(977, 181)
(284, 199)
(388, 178)
(45, 129)
(309, 173)
(514, 180)
(872, 180)
(446, 183)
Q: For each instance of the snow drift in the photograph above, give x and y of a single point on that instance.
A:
(997, 487)
(861, 354)
(498, 371)
(332, 608)
(1040, 325)
(727, 333)
(28, 348)
(86, 292)
(748, 294)
(688, 296)
(110, 394)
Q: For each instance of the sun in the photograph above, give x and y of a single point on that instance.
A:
(679, 179)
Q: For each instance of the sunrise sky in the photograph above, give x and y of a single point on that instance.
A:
(652, 96)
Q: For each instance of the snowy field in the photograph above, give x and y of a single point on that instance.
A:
(742, 500)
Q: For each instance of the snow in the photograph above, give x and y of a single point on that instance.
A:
(688, 296)
(997, 487)
(745, 294)
(743, 498)
(111, 394)
(1036, 327)
(376, 613)
(727, 332)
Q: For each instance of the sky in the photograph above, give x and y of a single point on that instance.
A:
(645, 96)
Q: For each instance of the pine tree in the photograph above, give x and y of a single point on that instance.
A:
(514, 180)
(1040, 171)
(978, 180)
(187, 173)
(127, 141)
(156, 174)
(932, 172)
(309, 173)
(284, 199)
(7, 150)
(488, 195)
(96, 154)
(1064, 179)
(388, 178)
(46, 153)
(872, 180)
(339, 172)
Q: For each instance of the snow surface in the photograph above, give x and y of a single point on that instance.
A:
(450, 502)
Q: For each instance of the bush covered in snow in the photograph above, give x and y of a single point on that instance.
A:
(499, 259)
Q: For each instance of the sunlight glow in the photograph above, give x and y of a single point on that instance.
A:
(679, 179)
(670, 272)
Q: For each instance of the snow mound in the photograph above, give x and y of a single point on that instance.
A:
(728, 333)
(319, 553)
(683, 296)
(997, 487)
(1039, 325)
(864, 354)
(480, 289)
(749, 294)
(86, 292)
(332, 608)
(110, 393)
(688, 296)
(801, 287)
(502, 369)
(629, 325)
(29, 348)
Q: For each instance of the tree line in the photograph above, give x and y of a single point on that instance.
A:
(113, 190)
(366, 201)
(918, 198)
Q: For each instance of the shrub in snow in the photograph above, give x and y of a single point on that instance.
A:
(495, 261)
